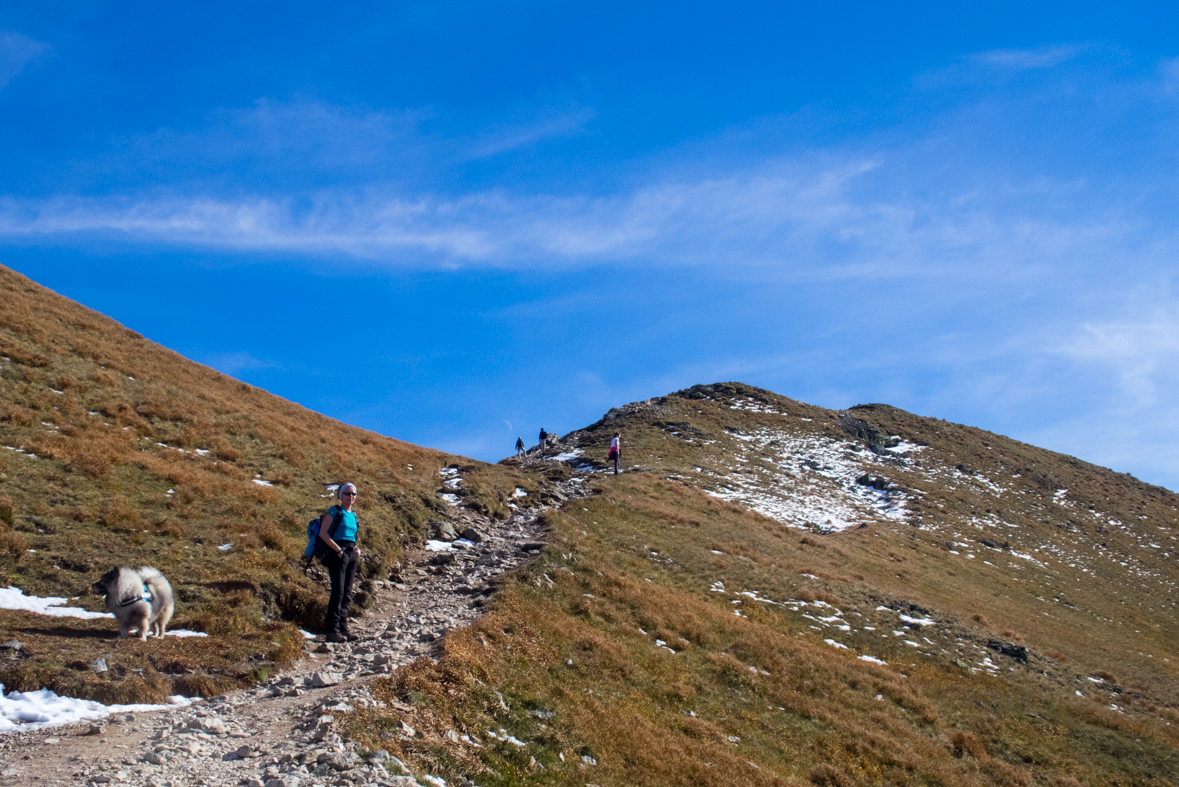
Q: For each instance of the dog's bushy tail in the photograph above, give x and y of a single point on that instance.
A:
(162, 604)
(153, 579)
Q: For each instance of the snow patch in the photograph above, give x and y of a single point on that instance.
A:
(36, 710)
(808, 481)
(14, 598)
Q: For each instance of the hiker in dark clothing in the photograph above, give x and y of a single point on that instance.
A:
(341, 561)
(544, 439)
(520, 447)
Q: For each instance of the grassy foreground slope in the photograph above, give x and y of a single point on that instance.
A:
(117, 451)
(963, 621)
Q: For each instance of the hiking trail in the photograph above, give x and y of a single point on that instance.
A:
(280, 734)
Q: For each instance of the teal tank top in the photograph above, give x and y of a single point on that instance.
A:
(346, 530)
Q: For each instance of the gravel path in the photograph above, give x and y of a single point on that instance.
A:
(279, 735)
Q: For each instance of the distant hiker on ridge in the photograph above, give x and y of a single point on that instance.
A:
(337, 530)
(616, 451)
(544, 439)
(520, 447)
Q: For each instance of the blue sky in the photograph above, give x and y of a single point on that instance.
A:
(455, 223)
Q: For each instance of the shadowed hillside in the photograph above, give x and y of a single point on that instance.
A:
(115, 450)
(774, 593)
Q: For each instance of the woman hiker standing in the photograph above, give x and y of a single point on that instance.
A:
(341, 560)
(616, 451)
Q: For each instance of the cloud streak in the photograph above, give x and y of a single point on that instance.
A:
(1028, 59)
(829, 217)
(1141, 349)
(16, 52)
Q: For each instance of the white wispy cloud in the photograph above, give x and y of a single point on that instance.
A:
(234, 363)
(530, 128)
(984, 68)
(16, 52)
(1026, 59)
(304, 140)
(1140, 349)
(830, 218)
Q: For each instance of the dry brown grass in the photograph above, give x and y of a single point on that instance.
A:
(576, 670)
(94, 401)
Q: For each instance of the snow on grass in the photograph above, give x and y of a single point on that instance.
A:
(184, 633)
(918, 621)
(807, 481)
(450, 499)
(36, 710)
(751, 405)
(566, 456)
(872, 660)
(260, 482)
(14, 598)
(438, 546)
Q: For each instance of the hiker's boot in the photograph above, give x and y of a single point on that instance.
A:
(348, 635)
(335, 637)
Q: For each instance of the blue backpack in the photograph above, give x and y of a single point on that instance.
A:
(316, 549)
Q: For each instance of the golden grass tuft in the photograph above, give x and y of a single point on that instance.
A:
(117, 512)
(13, 544)
(965, 743)
(203, 685)
(827, 775)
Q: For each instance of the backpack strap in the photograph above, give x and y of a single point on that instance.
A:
(337, 520)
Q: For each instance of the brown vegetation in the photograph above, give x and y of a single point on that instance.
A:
(144, 458)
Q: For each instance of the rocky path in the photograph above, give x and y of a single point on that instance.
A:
(281, 735)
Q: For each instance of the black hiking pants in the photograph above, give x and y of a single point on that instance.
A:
(341, 569)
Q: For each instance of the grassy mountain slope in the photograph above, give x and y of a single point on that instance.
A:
(773, 593)
(853, 633)
(117, 451)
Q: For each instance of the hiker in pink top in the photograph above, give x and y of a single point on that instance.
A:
(616, 452)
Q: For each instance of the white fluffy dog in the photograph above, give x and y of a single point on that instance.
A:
(139, 600)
